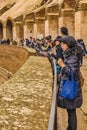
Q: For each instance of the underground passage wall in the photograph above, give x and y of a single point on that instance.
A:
(12, 57)
(1, 31)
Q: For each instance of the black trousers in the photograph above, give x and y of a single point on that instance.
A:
(72, 119)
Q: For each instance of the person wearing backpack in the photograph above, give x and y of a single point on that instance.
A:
(81, 43)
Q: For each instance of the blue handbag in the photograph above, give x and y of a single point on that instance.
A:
(69, 87)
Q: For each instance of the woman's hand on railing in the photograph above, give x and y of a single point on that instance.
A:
(60, 62)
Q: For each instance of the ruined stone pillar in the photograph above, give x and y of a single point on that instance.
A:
(4, 32)
(25, 31)
(66, 18)
(35, 30)
(18, 31)
(60, 22)
(81, 22)
(78, 21)
(46, 27)
(14, 33)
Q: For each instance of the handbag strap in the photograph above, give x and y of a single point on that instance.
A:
(71, 74)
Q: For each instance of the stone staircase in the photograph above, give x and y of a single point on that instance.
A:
(4, 75)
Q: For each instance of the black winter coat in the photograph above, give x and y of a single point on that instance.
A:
(71, 61)
(59, 53)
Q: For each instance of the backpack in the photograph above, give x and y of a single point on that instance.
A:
(78, 53)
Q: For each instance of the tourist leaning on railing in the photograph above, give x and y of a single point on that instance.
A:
(70, 64)
(58, 54)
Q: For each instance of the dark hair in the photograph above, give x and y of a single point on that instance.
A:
(50, 36)
(64, 30)
(58, 38)
(79, 40)
(48, 39)
(69, 40)
(30, 37)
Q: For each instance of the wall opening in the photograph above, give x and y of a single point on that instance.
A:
(1, 31)
(9, 30)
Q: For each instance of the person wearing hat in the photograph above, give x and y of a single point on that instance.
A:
(71, 61)
(59, 51)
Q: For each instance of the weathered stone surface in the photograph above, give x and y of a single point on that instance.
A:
(26, 98)
(12, 57)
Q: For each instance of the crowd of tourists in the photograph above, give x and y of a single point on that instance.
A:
(5, 41)
(46, 44)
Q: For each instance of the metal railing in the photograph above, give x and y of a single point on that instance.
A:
(53, 113)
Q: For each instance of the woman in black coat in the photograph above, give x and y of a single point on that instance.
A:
(71, 61)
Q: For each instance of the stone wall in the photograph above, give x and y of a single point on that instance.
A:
(12, 57)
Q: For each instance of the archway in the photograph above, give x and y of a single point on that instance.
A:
(53, 26)
(1, 31)
(9, 30)
(41, 27)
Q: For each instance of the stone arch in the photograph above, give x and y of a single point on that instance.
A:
(9, 28)
(1, 30)
(53, 25)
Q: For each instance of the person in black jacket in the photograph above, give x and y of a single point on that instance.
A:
(81, 43)
(59, 54)
(71, 61)
(59, 51)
